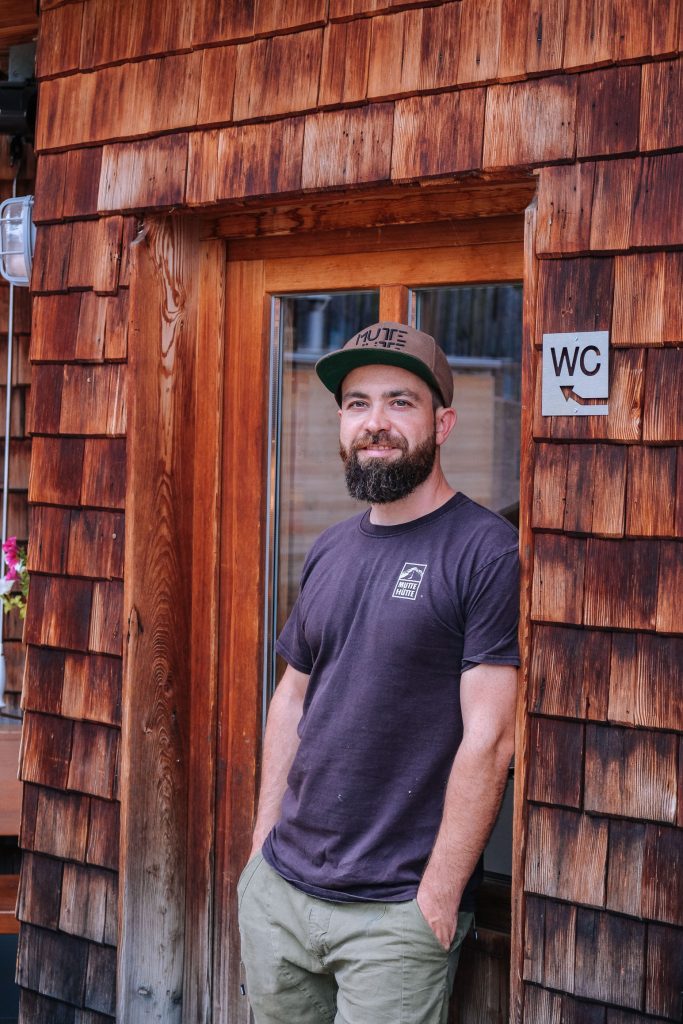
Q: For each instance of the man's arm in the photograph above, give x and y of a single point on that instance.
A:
(473, 795)
(279, 747)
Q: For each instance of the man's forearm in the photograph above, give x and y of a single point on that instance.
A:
(280, 745)
(473, 796)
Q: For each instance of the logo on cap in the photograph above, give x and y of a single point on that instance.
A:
(381, 337)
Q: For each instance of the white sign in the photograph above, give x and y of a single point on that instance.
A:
(575, 374)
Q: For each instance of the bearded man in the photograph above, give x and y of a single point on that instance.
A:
(390, 734)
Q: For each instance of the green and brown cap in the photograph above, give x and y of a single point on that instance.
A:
(389, 343)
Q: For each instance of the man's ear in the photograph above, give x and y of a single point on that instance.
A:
(445, 420)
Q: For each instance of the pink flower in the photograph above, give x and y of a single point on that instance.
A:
(11, 551)
(12, 573)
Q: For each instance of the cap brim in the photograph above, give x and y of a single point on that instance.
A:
(333, 367)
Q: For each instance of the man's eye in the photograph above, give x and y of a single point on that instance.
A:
(401, 403)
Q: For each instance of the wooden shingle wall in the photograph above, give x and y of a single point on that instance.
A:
(213, 103)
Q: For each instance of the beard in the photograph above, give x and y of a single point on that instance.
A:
(380, 481)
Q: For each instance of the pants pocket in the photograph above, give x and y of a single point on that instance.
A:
(248, 872)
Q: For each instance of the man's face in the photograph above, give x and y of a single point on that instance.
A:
(387, 435)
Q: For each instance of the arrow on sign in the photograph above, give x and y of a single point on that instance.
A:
(568, 392)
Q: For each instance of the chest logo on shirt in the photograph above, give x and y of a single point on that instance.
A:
(409, 580)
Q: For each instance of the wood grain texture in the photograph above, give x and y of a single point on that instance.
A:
(621, 583)
(669, 611)
(43, 680)
(52, 964)
(557, 589)
(566, 856)
(58, 613)
(663, 402)
(530, 122)
(630, 773)
(148, 173)
(644, 871)
(570, 672)
(245, 161)
(645, 681)
(608, 103)
(91, 688)
(94, 759)
(218, 21)
(601, 941)
(541, 1006)
(549, 945)
(661, 121)
(596, 488)
(39, 891)
(281, 15)
(550, 486)
(93, 399)
(664, 982)
(51, 258)
(574, 295)
(545, 35)
(217, 85)
(103, 472)
(343, 80)
(88, 903)
(156, 655)
(480, 40)
(61, 824)
(645, 312)
(48, 539)
(657, 202)
(103, 834)
(240, 680)
(96, 544)
(565, 196)
(414, 50)
(100, 985)
(588, 39)
(347, 147)
(106, 618)
(424, 143)
(279, 75)
(556, 754)
(651, 471)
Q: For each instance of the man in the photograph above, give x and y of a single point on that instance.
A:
(390, 734)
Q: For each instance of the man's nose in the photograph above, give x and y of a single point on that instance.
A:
(377, 419)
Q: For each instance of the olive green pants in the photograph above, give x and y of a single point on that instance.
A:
(311, 961)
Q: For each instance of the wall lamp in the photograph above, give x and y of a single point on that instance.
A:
(17, 239)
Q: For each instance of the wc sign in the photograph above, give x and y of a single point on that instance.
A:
(575, 374)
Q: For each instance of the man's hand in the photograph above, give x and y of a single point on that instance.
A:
(440, 911)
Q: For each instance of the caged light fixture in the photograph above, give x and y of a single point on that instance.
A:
(17, 239)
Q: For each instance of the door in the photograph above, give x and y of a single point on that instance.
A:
(289, 301)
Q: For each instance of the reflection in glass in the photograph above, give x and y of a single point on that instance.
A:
(309, 489)
(480, 329)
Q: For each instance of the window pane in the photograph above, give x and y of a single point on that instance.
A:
(310, 493)
(480, 329)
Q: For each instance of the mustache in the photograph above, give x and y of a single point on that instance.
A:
(381, 437)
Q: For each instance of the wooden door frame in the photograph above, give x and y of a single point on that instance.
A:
(192, 686)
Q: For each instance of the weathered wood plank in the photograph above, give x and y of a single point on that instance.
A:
(615, 183)
(45, 750)
(51, 258)
(560, 945)
(545, 35)
(574, 295)
(541, 1006)
(588, 39)
(95, 544)
(217, 21)
(58, 613)
(347, 147)
(91, 688)
(52, 964)
(621, 583)
(103, 834)
(625, 866)
(663, 402)
(555, 752)
(661, 120)
(657, 202)
(630, 773)
(83, 167)
(530, 123)
(278, 75)
(343, 80)
(93, 766)
(423, 118)
(106, 619)
(281, 15)
(607, 111)
(39, 890)
(651, 471)
(565, 196)
(157, 652)
(217, 85)
(645, 863)
(566, 856)
(61, 824)
(48, 540)
(664, 981)
(596, 489)
(557, 589)
(51, 178)
(669, 588)
(103, 472)
(603, 940)
(415, 50)
(148, 173)
(550, 486)
(245, 161)
(43, 680)
(480, 41)
(570, 672)
(89, 898)
(100, 984)
(55, 325)
(93, 400)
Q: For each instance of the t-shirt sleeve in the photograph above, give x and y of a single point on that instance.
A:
(492, 613)
(291, 643)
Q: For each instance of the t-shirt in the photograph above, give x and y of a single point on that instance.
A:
(387, 619)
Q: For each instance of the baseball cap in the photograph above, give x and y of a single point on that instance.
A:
(390, 343)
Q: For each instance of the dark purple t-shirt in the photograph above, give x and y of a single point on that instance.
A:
(386, 620)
